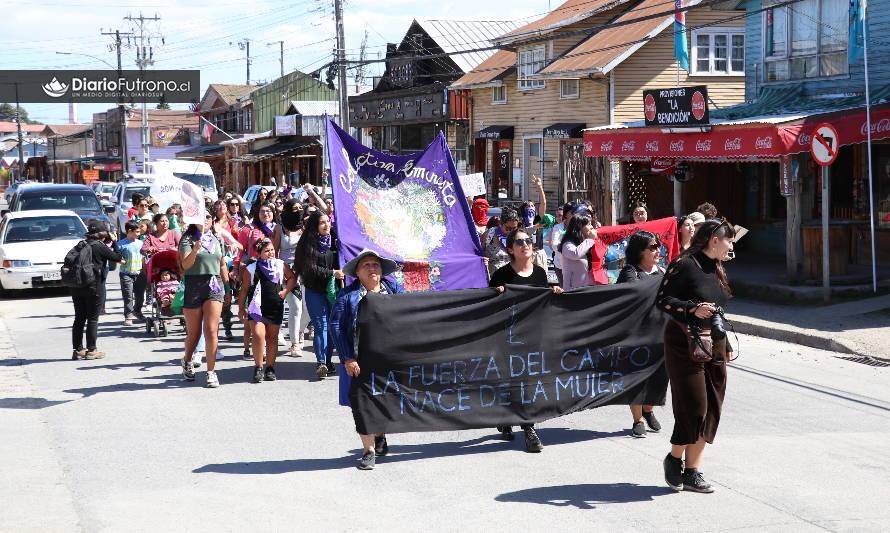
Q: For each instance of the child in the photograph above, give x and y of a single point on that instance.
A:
(132, 278)
(166, 289)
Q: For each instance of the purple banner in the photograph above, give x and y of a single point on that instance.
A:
(410, 208)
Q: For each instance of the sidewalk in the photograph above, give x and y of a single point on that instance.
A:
(859, 327)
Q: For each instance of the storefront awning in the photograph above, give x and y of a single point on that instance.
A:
(276, 150)
(496, 132)
(201, 151)
(743, 139)
(565, 130)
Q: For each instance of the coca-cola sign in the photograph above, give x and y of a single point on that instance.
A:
(651, 146)
(764, 143)
(679, 106)
(734, 144)
(703, 146)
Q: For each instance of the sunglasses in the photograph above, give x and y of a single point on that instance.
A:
(235, 204)
(654, 247)
(523, 242)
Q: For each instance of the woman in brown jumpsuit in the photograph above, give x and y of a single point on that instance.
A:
(694, 286)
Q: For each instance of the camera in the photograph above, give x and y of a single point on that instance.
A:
(718, 325)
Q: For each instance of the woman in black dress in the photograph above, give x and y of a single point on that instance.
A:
(693, 289)
(521, 270)
(264, 285)
(641, 256)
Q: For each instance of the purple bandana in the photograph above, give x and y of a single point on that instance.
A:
(268, 269)
(501, 235)
(324, 243)
(267, 230)
(209, 242)
(528, 216)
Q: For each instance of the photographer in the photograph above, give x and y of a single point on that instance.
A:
(88, 300)
(693, 293)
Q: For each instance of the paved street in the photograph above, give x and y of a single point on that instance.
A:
(122, 444)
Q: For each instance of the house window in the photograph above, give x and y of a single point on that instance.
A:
(499, 95)
(531, 61)
(719, 52)
(569, 89)
(806, 40)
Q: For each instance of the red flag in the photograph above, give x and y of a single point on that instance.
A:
(208, 130)
(612, 240)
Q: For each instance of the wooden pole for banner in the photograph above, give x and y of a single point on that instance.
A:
(871, 181)
(826, 211)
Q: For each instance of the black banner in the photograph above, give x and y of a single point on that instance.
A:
(476, 358)
(680, 106)
(100, 86)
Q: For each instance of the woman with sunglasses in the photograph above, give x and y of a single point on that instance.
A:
(236, 214)
(521, 270)
(641, 256)
(264, 285)
(693, 290)
(204, 270)
(261, 227)
(142, 212)
(578, 249)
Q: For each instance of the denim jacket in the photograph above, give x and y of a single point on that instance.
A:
(344, 316)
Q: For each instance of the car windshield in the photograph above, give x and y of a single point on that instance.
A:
(204, 181)
(43, 229)
(141, 189)
(108, 189)
(79, 202)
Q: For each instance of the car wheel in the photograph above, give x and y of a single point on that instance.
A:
(3, 292)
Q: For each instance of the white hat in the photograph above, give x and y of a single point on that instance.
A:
(696, 218)
(387, 265)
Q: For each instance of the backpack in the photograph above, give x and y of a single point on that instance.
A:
(77, 268)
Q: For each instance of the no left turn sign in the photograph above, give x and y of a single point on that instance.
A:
(825, 145)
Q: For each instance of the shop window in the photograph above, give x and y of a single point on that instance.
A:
(499, 95)
(806, 40)
(531, 61)
(881, 172)
(569, 89)
(719, 51)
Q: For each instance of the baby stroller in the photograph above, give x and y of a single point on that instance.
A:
(157, 322)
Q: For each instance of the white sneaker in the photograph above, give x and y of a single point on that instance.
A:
(212, 380)
(196, 359)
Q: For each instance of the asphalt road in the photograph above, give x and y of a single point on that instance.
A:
(122, 444)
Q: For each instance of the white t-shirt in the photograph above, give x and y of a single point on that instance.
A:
(556, 234)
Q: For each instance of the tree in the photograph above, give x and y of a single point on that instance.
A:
(7, 113)
(163, 103)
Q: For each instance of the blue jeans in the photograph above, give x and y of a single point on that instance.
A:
(319, 313)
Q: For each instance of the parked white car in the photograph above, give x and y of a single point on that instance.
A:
(122, 195)
(33, 245)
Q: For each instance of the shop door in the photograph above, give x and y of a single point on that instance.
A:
(501, 186)
(533, 156)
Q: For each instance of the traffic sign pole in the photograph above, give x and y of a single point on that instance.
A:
(826, 207)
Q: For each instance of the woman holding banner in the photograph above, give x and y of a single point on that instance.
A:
(369, 270)
(693, 293)
(579, 253)
(204, 268)
(521, 270)
(316, 263)
(642, 254)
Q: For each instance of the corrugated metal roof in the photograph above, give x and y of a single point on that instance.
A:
(456, 35)
(606, 49)
(62, 130)
(488, 71)
(568, 13)
(316, 108)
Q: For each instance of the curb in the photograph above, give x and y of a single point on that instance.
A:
(747, 326)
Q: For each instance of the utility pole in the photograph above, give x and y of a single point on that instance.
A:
(144, 58)
(122, 113)
(18, 126)
(281, 57)
(244, 44)
(341, 65)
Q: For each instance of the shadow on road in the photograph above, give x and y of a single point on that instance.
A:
(586, 495)
(28, 403)
(406, 452)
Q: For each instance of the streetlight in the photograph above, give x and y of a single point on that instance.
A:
(86, 55)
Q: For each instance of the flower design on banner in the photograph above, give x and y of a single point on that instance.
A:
(419, 275)
(406, 221)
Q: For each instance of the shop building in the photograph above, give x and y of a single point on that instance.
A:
(553, 78)
(412, 103)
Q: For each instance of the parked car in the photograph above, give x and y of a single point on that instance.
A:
(252, 193)
(12, 188)
(33, 244)
(197, 172)
(103, 189)
(73, 197)
(122, 195)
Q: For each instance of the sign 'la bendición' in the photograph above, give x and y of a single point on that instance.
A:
(679, 106)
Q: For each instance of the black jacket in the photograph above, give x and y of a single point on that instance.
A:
(101, 255)
(315, 274)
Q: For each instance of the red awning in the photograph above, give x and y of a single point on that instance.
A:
(750, 141)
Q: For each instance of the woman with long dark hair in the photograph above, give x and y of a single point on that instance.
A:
(685, 231)
(641, 257)
(287, 235)
(693, 292)
(315, 261)
(578, 249)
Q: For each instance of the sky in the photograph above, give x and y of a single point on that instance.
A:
(204, 34)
